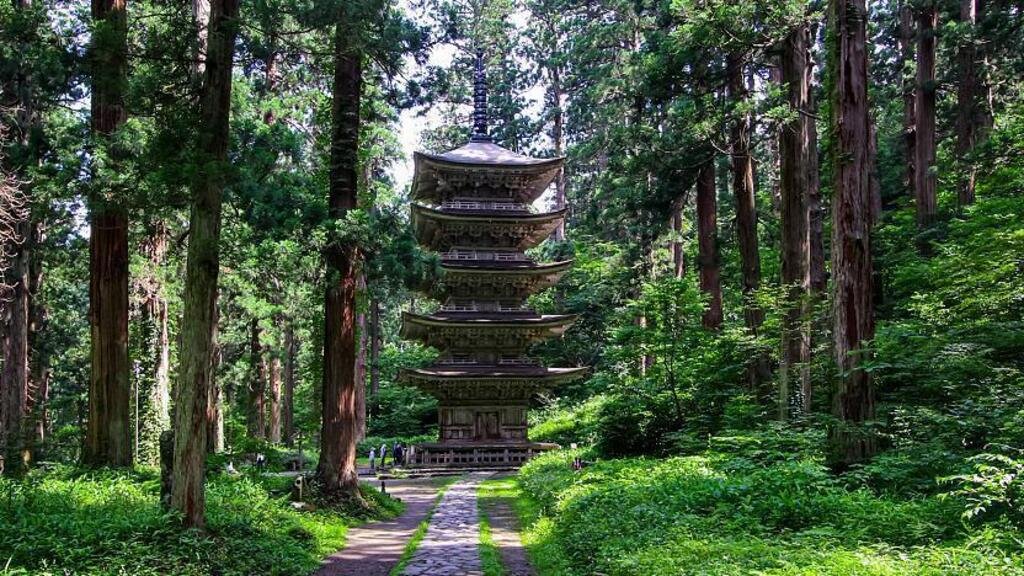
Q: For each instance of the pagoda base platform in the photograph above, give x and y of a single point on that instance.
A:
(472, 455)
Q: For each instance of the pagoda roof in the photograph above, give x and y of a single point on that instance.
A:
(458, 384)
(481, 164)
(468, 278)
(441, 229)
(494, 330)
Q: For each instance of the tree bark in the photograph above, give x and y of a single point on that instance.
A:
(678, 256)
(108, 440)
(215, 395)
(815, 237)
(255, 422)
(155, 380)
(794, 189)
(906, 45)
(375, 337)
(360, 376)
(742, 164)
(15, 376)
(924, 107)
(288, 396)
(707, 244)
(743, 192)
(15, 298)
(968, 120)
(853, 309)
(274, 411)
(199, 326)
(337, 466)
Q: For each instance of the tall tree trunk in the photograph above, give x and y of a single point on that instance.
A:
(154, 393)
(288, 396)
(906, 45)
(339, 428)
(199, 322)
(15, 377)
(853, 308)
(274, 396)
(215, 396)
(968, 120)
(815, 236)
(14, 370)
(746, 213)
(255, 423)
(924, 107)
(360, 376)
(375, 338)
(678, 255)
(795, 222)
(707, 244)
(361, 354)
(108, 440)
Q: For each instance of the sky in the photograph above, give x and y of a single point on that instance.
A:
(413, 122)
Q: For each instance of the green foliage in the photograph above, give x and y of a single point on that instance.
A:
(995, 488)
(711, 515)
(567, 424)
(100, 523)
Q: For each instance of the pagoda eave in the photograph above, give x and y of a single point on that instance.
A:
(512, 280)
(492, 331)
(442, 230)
(481, 166)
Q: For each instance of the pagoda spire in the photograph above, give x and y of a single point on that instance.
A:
(480, 133)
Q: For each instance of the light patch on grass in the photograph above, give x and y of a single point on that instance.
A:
(490, 556)
(537, 537)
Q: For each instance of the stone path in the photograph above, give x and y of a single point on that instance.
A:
(374, 549)
(450, 546)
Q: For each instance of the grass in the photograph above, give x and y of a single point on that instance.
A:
(443, 484)
(110, 523)
(490, 555)
(543, 551)
(714, 515)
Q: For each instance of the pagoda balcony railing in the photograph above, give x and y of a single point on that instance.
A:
(469, 361)
(486, 307)
(519, 361)
(457, 361)
(487, 256)
(477, 205)
(460, 308)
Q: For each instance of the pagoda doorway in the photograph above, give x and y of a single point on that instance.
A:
(487, 426)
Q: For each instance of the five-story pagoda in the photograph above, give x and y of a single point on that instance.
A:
(473, 205)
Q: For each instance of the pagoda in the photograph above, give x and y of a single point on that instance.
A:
(473, 205)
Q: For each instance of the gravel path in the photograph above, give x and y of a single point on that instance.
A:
(449, 547)
(374, 549)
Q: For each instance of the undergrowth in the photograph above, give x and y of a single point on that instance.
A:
(710, 515)
(110, 523)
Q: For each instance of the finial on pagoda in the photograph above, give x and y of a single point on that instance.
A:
(480, 101)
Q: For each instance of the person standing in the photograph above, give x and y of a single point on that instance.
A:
(383, 454)
(373, 459)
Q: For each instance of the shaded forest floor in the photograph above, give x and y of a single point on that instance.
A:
(718, 514)
(64, 521)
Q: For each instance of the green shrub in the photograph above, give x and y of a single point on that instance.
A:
(110, 523)
(715, 515)
(567, 425)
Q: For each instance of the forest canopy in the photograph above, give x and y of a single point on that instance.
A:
(798, 276)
